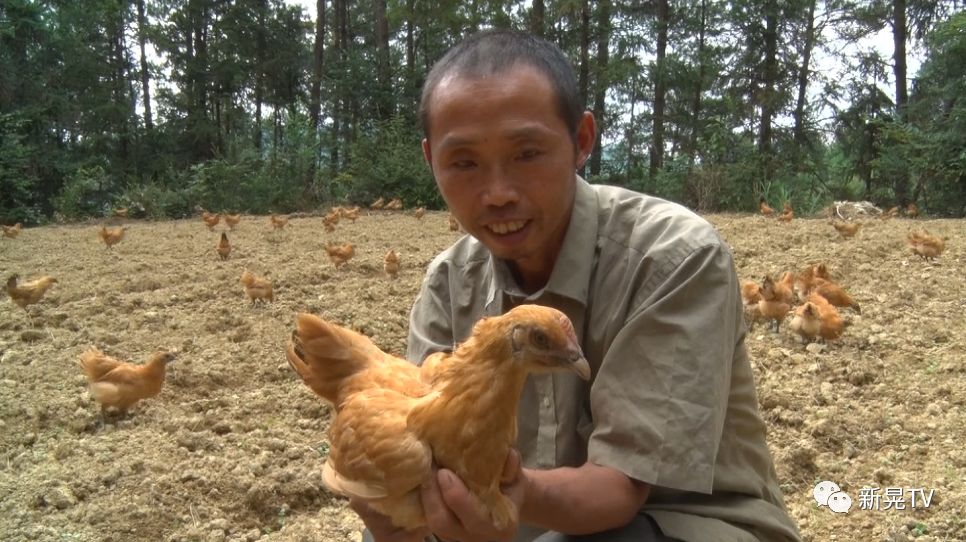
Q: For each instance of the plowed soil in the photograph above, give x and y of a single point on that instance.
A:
(231, 448)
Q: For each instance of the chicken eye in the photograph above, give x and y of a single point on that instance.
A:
(540, 339)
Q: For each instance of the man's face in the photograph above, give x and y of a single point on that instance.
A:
(505, 163)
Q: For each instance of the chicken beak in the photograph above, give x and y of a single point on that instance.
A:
(575, 361)
(581, 367)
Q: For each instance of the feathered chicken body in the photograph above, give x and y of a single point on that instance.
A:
(28, 293)
(112, 236)
(391, 263)
(925, 245)
(120, 385)
(257, 287)
(224, 246)
(12, 231)
(232, 220)
(393, 420)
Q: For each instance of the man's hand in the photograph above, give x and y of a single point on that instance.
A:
(453, 513)
(381, 528)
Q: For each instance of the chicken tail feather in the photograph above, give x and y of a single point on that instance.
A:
(324, 354)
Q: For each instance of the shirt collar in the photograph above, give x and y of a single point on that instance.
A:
(571, 272)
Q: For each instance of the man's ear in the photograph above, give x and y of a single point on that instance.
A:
(427, 153)
(586, 135)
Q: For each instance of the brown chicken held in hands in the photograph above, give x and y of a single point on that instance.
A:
(257, 288)
(119, 385)
(112, 236)
(391, 263)
(224, 247)
(340, 253)
(925, 245)
(278, 222)
(764, 208)
(12, 232)
(232, 220)
(846, 229)
(391, 425)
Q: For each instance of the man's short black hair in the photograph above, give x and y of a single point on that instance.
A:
(495, 51)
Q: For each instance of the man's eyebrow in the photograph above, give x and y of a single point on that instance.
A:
(515, 134)
(456, 141)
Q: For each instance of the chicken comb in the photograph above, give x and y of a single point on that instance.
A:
(568, 327)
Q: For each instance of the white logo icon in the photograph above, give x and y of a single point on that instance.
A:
(839, 502)
(829, 494)
(823, 490)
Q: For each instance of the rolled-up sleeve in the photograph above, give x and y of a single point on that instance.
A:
(660, 397)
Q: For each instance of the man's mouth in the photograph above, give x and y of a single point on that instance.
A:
(503, 228)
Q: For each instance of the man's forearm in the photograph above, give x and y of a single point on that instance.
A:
(583, 500)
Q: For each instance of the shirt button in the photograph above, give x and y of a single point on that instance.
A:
(546, 402)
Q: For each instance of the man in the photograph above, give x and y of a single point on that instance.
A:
(665, 442)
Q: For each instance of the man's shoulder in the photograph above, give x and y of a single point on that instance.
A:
(465, 252)
(646, 223)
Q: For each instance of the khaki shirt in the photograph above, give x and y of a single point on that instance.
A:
(653, 295)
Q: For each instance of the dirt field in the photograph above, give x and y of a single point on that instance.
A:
(231, 449)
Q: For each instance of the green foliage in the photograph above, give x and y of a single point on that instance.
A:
(390, 163)
(85, 194)
(17, 181)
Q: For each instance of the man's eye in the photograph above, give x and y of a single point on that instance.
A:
(463, 164)
(530, 154)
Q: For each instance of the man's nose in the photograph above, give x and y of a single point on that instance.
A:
(500, 189)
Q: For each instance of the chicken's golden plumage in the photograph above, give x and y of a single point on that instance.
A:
(257, 288)
(11, 232)
(764, 208)
(340, 253)
(232, 220)
(112, 236)
(119, 385)
(846, 229)
(210, 219)
(391, 423)
(278, 222)
(391, 263)
(925, 245)
(224, 246)
(28, 293)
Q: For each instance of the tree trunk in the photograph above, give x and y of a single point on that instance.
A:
(145, 77)
(768, 93)
(660, 90)
(601, 80)
(318, 63)
(384, 102)
(696, 99)
(537, 14)
(584, 72)
(260, 57)
(803, 72)
(899, 31)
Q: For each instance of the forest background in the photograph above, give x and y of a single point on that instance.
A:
(256, 106)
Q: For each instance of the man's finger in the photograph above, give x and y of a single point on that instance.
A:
(469, 510)
(511, 468)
